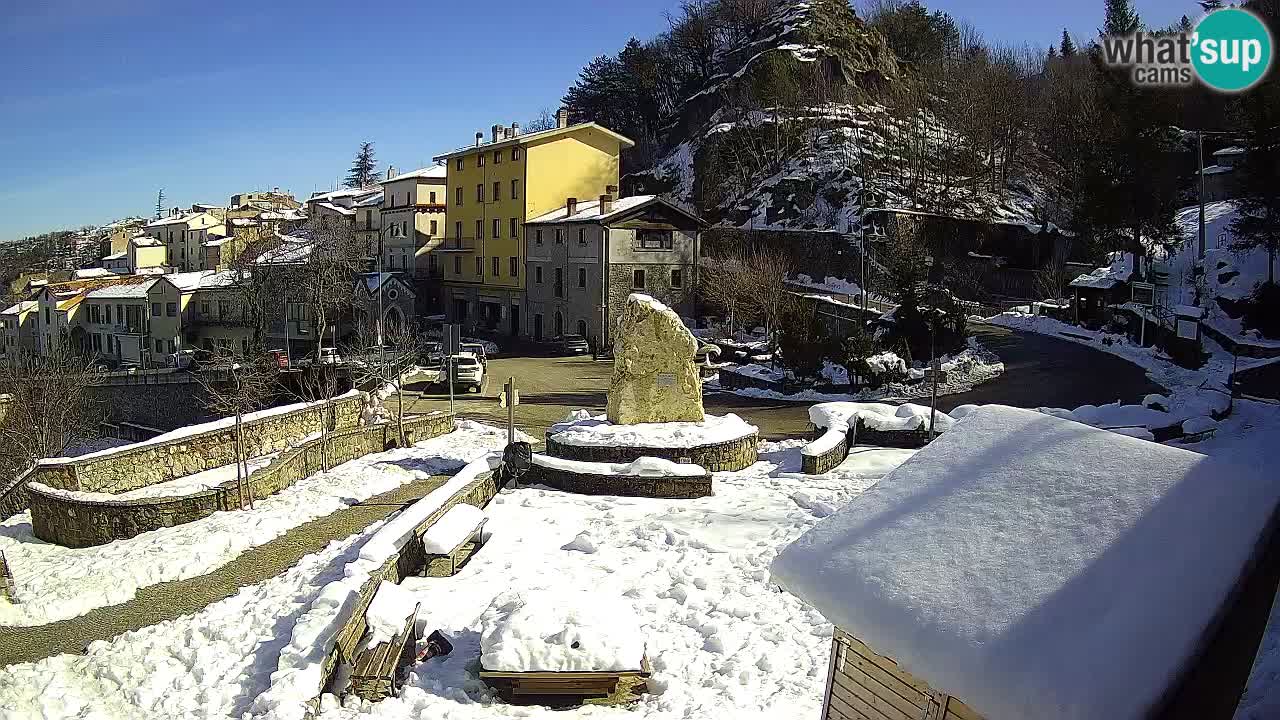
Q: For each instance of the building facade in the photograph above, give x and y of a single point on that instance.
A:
(585, 258)
(182, 249)
(493, 189)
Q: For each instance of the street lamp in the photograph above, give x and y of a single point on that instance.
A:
(934, 366)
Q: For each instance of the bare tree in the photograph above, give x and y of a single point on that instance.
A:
(767, 273)
(326, 274)
(380, 365)
(544, 120)
(724, 283)
(241, 388)
(318, 385)
(50, 403)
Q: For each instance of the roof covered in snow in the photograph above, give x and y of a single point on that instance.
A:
(1233, 150)
(589, 210)
(1218, 169)
(431, 172)
(1037, 567)
(541, 135)
(1104, 278)
(145, 241)
(21, 307)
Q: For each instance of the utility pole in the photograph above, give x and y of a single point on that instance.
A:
(1200, 161)
(509, 399)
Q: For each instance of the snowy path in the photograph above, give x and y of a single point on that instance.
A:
(210, 664)
(55, 583)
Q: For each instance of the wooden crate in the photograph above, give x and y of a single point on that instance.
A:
(380, 671)
(564, 686)
(863, 685)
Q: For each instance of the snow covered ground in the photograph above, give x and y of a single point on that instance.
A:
(54, 582)
(723, 641)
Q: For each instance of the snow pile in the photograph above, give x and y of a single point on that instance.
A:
(560, 631)
(826, 442)
(877, 416)
(598, 431)
(388, 613)
(452, 529)
(886, 363)
(640, 467)
(55, 582)
(1201, 424)
(1118, 270)
(834, 285)
(1001, 563)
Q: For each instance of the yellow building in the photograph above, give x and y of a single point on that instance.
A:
(493, 188)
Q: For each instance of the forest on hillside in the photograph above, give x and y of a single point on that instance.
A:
(787, 114)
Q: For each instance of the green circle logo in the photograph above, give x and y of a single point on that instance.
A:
(1231, 50)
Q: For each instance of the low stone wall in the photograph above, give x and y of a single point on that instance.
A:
(7, 590)
(138, 466)
(623, 485)
(75, 522)
(908, 439)
(718, 457)
(819, 463)
(13, 497)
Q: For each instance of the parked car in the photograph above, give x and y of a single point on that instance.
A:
(477, 349)
(468, 371)
(574, 345)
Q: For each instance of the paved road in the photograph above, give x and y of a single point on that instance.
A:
(1039, 371)
(165, 601)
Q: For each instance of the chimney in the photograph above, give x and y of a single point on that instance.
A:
(562, 118)
(391, 171)
(515, 129)
(611, 189)
(275, 190)
(570, 206)
(479, 138)
(606, 203)
(497, 132)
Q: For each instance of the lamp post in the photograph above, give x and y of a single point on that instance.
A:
(933, 360)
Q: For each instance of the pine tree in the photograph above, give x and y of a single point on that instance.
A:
(1257, 223)
(1121, 18)
(1053, 52)
(1211, 5)
(160, 204)
(364, 169)
(1068, 47)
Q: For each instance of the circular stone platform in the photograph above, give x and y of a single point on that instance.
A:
(718, 444)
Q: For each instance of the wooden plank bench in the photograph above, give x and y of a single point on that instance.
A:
(447, 564)
(380, 671)
(566, 686)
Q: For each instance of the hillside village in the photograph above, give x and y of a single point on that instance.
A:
(808, 360)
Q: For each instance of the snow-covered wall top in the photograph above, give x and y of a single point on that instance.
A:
(1036, 567)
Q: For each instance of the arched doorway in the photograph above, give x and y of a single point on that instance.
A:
(392, 321)
(559, 324)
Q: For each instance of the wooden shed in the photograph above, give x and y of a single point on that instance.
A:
(1026, 566)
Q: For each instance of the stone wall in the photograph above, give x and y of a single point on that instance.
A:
(720, 457)
(161, 405)
(7, 590)
(908, 439)
(13, 497)
(820, 463)
(623, 485)
(74, 522)
(141, 465)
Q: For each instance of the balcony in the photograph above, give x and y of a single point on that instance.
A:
(455, 245)
(129, 329)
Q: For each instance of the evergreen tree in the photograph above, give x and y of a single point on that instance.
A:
(160, 204)
(1053, 52)
(364, 169)
(1068, 47)
(1211, 5)
(1257, 224)
(1121, 18)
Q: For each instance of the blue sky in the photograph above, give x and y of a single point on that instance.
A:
(107, 101)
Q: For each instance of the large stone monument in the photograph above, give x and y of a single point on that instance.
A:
(654, 375)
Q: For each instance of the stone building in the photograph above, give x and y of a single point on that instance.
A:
(584, 259)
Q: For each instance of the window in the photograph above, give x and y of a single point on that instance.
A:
(582, 277)
(515, 153)
(224, 309)
(479, 267)
(515, 267)
(497, 228)
(46, 312)
(559, 236)
(677, 278)
(637, 279)
(155, 309)
(433, 198)
(582, 328)
(479, 229)
(515, 189)
(159, 345)
(497, 157)
(537, 234)
(654, 239)
(457, 232)
(46, 316)
(171, 309)
(497, 266)
(497, 191)
(457, 264)
(480, 160)
(559, 282)
(404, 228)
(582, 236)
(458, 165)
(111, 344)
(537, 274)
(480, 192)
(457, 195)
(433, 227)
(204, 307)
(514, 225)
